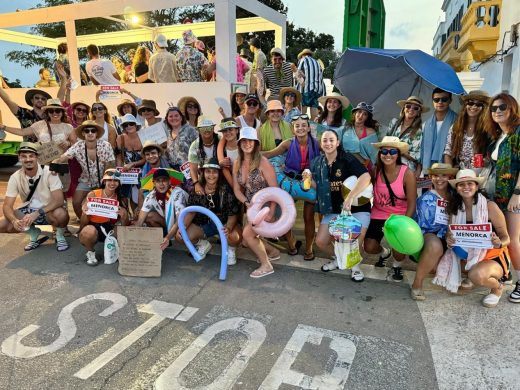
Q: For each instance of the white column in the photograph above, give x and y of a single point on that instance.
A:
(72, 47)
(225, 40)
(280, 37)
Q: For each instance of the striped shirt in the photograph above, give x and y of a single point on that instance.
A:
(313, 76)
(273, 83)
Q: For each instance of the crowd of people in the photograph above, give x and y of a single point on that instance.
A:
(439, 169)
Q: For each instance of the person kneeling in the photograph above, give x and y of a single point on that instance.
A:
(91, 232)
(42, 196)
(219, 198)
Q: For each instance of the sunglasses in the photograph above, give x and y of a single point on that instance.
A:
(191, 105)
(211, 203)
(305, 117)
(290, 94)
(42, 98)
(83, 110)
(94, 109)
(54, 110)
(412, 107)
(147, 110)
(89, 130)
(252, 103)
(501, 107)
(127, 124)
(391, 152)
(441, 99)
(113, 173)
(471, 103)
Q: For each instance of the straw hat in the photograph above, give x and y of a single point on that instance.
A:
(148, 104)
(297, 98)
(392, 142)
(479, 95)
(334, 95)
(80, 103)
(248, 133)
(53, 103)
(465, 175)
(89, 123)
(151, 144)
(183, 101)
(414, 100)
(130, 103)
(30, 94)
(305, 52)
(442, 169)
(274, 105)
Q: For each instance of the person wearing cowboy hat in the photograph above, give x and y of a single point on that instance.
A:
(192, 66)
(360, 133)
(277, 75)
(227, 150)
(99, 113)
(34, 98)
(274, 130)
(332, 115)
(395, 192)
(220, 199)
(432, 218)
(408, 127)
(94, 155)
(310, 81)
(92, 226)
(486, 267)
(468, 136)
(42, 201)
(204, 147)
(127, 106)
(291, 99)
(162, 66)
(190, 108)
(54, 126)
(148, 110)
(257, 67)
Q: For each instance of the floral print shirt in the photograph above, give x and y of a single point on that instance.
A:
(177, 149)
(190, 62)
(507, 168)
(92, 171)
(414, 143)
(465, 158)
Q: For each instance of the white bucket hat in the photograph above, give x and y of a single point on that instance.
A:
(248, 133)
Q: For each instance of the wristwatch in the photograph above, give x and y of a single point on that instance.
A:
(41, 212)
(516, 191)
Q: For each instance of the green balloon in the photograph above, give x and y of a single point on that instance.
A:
(403, 234)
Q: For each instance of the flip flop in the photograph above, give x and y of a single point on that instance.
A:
(35, 244)
(309, 256)
(297, 246)
(274, 258)
(257, 274)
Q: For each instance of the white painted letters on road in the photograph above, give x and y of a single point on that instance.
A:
(12, 346)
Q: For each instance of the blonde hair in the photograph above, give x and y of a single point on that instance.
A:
(140, 56)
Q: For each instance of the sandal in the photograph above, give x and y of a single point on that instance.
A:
(62, 245)
(330, 266)
(417, 294)
(35, 244)
(308, 256)
(258, 273)
(274, 258)
(294, 251)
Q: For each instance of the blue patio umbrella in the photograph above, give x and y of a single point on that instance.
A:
(382, 76)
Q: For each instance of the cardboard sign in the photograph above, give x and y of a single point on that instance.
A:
(472, 236)
(424, 182)
(131, 176)
(185, 169)
(441, 216)
(140, 251)
(102, 207)
(48, 152)
(155, 133)
(110, 92)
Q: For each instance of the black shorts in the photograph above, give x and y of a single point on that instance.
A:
(100, 235)
(375, 229)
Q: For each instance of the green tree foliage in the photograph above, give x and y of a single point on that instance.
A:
(13, 84)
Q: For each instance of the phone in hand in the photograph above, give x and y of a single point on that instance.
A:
(61, 169)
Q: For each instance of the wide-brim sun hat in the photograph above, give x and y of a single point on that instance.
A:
(274, 105)
(305, 52)
(297, 98)
(53, 103)
(414, 100)
(392, 142)
(183, 101)
(481, 96)
(334, 95)
(442, 169)
(150, 144)
(79, 103)
(89, 123)
(365, 107)
(465, 175)
(124, 102)
(129, 118)
(148, 104)
(248, 133)
(30, 94)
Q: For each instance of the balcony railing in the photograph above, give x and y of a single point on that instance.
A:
(449, 53)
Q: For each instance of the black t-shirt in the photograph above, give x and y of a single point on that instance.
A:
(346, 165)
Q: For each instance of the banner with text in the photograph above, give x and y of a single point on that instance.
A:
(472, 236)
(102, 207)
(130, 176)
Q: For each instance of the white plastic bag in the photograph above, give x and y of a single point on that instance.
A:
(347, 253)
(111, 249)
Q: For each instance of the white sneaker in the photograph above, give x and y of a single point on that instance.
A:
(490, 300)
(91, 258)
(203, 247)
(231, 255)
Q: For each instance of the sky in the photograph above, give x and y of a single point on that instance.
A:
(410, 24)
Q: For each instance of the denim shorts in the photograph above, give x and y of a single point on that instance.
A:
(363, 217)
(310, 99)
(209, 229)
(84, 187)
(41, 220)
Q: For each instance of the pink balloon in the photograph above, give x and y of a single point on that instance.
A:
(256, 213)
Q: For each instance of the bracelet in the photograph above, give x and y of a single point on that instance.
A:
(195, 182)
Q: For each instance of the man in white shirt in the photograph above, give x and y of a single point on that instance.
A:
(162, 66)
(101, 72)
(42, 196)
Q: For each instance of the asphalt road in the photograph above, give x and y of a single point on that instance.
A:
(90, 328)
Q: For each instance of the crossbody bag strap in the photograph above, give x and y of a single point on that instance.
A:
(33, 189)
(49, 129)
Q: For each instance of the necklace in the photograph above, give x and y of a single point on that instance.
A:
(105, 195)
(206, 145)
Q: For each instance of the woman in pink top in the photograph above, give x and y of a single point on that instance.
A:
(395, 192)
